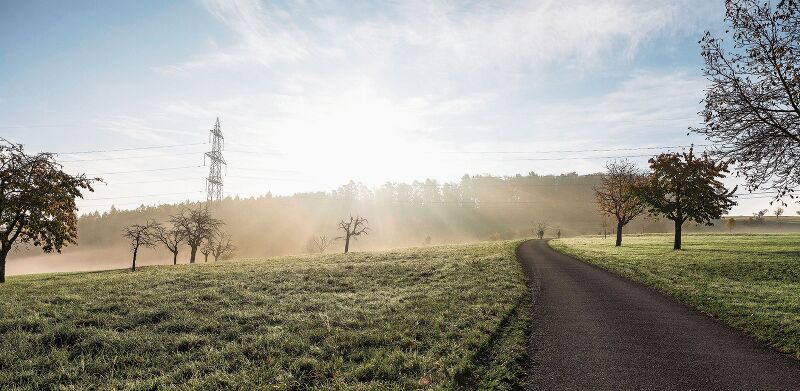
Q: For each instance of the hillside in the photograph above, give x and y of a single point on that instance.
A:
(437, 317)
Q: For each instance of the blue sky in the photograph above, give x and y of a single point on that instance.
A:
(312, 94)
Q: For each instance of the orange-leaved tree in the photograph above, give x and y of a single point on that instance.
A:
(682, 186)
(37, 201)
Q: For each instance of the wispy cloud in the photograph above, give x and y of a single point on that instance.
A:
(139, 129)
(437, 34)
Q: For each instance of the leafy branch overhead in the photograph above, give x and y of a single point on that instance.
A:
(752, 106)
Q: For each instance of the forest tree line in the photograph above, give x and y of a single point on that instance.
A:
(480, 207)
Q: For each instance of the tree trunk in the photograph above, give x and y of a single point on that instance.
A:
(206, 257)
(133, 266)
(194, 253)
(678, 226)
(175, 258)
(619, 234)
(3, 255)
(347, 244)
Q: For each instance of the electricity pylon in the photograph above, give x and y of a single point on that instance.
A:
(214, 180)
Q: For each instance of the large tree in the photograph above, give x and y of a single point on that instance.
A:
(196, 226)
(616, 197)
(353, 228)
(37, 201)
(684, 187)
(752, 106)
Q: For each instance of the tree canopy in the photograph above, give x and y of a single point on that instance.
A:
(37, 201)
(752, 106)
(616, 197)
(196, 225)
(684, 187)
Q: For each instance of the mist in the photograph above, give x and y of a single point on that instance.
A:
(477, 208)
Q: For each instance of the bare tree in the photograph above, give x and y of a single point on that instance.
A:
(205, 249)
(730, 224)
(616, 197)
(318, 244)
(196, 225)
(752, 106)
(352, 229)
(758, 217)
(172, 238)
(140, 235)
(37, 201)
(604, 224)
(222, 246)
(540, 230)
(778, 212)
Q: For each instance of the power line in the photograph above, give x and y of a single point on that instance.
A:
(156, 181)
(578, 150)
(129, 157)
(141, 195)
(148, 170)
(128, 149)
(580, 158)
(135, 203)
(260, 169)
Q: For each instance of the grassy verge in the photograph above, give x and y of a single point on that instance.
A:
(444, 317)
(751, 282)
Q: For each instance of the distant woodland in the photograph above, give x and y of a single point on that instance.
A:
(478, 207)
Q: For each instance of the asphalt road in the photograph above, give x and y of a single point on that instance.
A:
(593, 330)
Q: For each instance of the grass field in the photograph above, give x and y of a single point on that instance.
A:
(751, 282)
(436, 318)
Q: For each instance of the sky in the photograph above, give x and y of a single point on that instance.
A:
(311, 94)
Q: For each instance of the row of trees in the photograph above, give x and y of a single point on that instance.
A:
(751, 114)
(196, 228)
(679, 187)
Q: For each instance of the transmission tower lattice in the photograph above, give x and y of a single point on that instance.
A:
(214, 180)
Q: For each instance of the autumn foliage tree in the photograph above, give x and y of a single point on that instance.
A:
(616, 197)
(684, 187)
(752, 106)
(353, 228)
(37, 201)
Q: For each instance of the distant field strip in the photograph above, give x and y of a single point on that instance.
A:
(440, 317)
(751, 282)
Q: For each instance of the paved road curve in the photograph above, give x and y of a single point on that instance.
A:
(593, 330)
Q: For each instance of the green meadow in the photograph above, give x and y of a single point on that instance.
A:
(440, 317)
